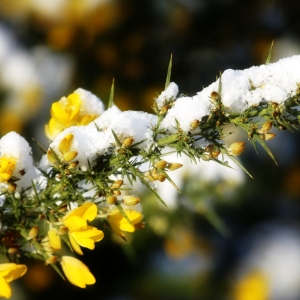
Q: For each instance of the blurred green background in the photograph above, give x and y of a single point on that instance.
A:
(227, 236)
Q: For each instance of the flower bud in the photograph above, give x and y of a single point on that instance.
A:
(73, 164)
(51, 260)
(209, 148)
(281, 127)
(154, 174)
(116, 184)
(62, 230)
(140, 225)
(116, 193)
(65, 144)
(131, 200)
(269, 136)
(161, 177)
(266, 127)
(214, 96)
(164, 109)
(69, 155)
(174, 166)
(50, 157)
(34, 231)
(42, 217)
(11, 187)
(111, 200)
(63, 208)
(237, 148)
(12, 250)
(149, 176)
(127, 142)
(195, 124)
(215, 154)
(161, 164)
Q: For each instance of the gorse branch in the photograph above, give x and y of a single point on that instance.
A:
(96, 157)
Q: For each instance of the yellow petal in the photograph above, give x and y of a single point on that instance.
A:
(117, 220)
(65, 144)
(135, 218)
(87, 211)
(34, 231)
(50, 157)
(75, 223)
(54, 239)
(5, 289)
(7, 167)
(75, 245)
(59, 113)
(53, 129)
(70, 156)
(5, 176)
(73, 106)
(77, 272)
(116, 229)
(86, 119)
(11, 271)
(87, 238)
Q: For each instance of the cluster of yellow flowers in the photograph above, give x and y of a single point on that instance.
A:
(81, 177)
(66, 113)
(70, 226)
(7, 166)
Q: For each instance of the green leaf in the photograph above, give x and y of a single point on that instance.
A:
(168, 140)
(270, 53)
(144, 182)
(40, 146)
(55, 155)
(116, 139)
(111, 95)
(224, 151)
(240, 165)
(121, 210)
(172, 182)
(58, 271)
(263, 144)
(169, 73)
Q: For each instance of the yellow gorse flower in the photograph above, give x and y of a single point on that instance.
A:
(64, 148)
(78, 217)
(7, 167)
(80, 233)
(65, 113)
(119, 223)
(8, 273)
(85, 238)
(76, 271)
(54, 239)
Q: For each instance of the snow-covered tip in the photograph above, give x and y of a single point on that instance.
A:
(76, 146)
(78, 109)
(240, 90)
(169, 94)
(275, 82)
(128, 124)
(16, 163)
(188, 111)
